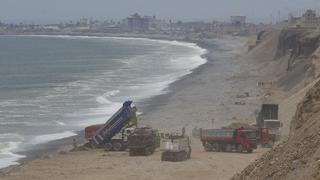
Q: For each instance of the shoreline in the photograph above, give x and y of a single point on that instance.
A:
(146, 104)
(208, 94)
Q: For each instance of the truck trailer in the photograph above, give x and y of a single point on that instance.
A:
(143, 141)
(228, 140)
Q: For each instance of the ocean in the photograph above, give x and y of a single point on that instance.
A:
(53, 86)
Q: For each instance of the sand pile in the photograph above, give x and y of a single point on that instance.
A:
(299, 156)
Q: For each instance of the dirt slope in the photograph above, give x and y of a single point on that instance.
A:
(299, 156)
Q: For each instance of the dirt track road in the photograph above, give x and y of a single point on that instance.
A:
(97, 164)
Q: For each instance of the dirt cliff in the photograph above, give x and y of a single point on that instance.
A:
(298, 157)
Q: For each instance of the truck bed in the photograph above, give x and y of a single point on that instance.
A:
(216, 135)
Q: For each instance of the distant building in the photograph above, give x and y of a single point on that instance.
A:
(238, 24)
(308, 20)
(238, 20)
(137, 23)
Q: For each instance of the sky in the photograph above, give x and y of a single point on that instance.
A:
(42, 11)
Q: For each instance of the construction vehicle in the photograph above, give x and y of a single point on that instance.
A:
(176, 148)
(102, 135)
(268, 118)
(143, 141)
(117, 143)
(228, 140)
(265, 138)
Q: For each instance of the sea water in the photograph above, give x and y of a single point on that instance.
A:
(52, 86)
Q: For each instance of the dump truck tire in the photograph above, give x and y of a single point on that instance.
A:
(108, 147)
(148, 151)
(215, 147)
(117, 146)
(208, 147)
(240, 148)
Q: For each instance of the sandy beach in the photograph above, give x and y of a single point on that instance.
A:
(222, 91)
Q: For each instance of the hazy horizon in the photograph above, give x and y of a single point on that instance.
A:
(45, 11)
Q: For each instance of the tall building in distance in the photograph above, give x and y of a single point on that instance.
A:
(137, 23)
(238, 23)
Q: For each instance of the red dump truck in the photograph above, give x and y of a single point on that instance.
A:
(265, 138)
(228, 140)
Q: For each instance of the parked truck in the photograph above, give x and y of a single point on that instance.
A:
(268, 118)
(143, 141)
(228, 140)
(118, 142)
(175, 148)
(102, 135)
(265, 138)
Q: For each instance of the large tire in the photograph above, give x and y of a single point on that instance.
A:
(117, 146)
(108, 147)
(147, 151)
(208, 147)
(240, 148)
(249, 150)
(215, 147)
(222, 147)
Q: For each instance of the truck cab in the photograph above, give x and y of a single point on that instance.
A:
(265, 137)
(247, 138)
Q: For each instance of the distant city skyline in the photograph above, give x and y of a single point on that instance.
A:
(49, 11)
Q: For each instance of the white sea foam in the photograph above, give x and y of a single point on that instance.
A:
(7, 156)
(9, 142)
(60, 123)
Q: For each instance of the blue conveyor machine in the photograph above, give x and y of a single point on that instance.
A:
(123, 118)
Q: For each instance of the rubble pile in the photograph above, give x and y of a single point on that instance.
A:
(298, 157)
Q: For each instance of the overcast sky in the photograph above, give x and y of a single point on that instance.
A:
(208, 10)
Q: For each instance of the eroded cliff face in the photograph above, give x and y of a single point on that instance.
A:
(299, 156)
(300, 49)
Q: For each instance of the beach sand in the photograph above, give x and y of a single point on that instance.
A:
(222, 91)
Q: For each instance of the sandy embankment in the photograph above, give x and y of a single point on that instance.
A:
(208, 94)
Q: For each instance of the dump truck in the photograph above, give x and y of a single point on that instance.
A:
(143, 141)
(228, 140)
(265, 138)
(117, 143)
(101, 135)
(268, 118)
(176, 148)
